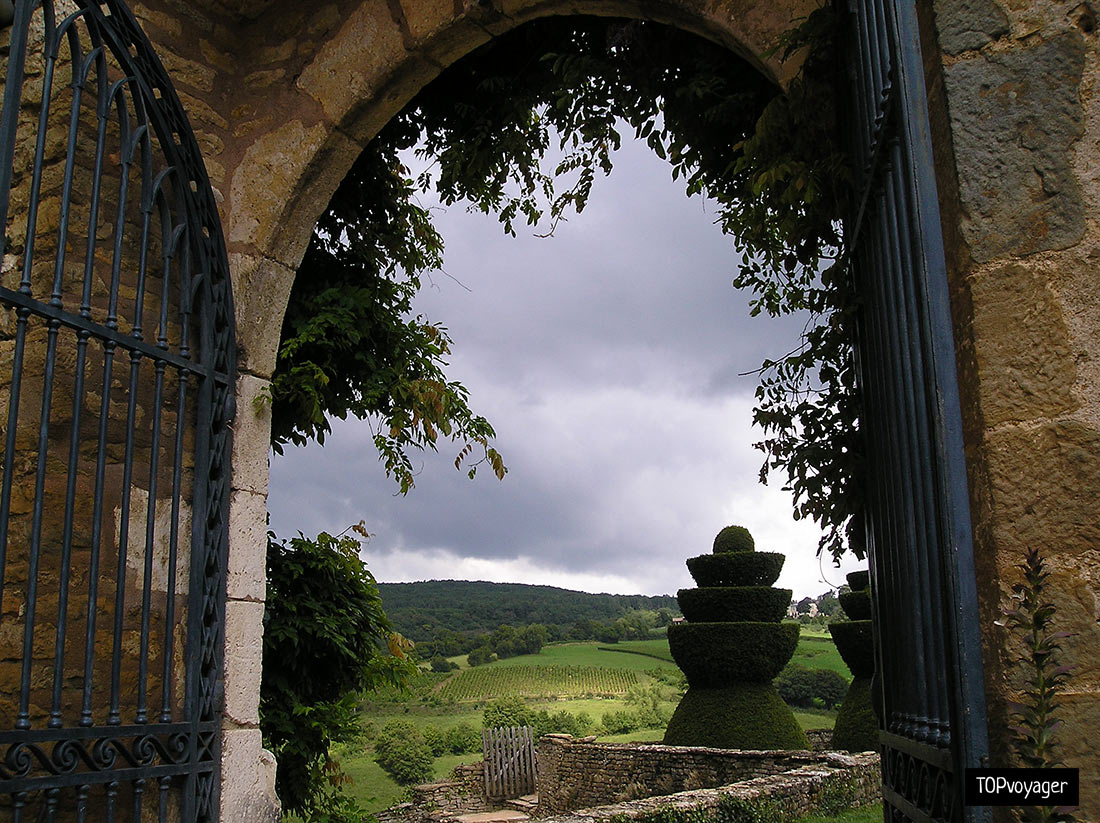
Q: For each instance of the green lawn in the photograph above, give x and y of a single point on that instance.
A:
(863, 814)
(818, 652)
(593, 654)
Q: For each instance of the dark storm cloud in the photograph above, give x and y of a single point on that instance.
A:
(609, 358)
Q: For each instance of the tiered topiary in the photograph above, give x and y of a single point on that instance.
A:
(856, 728)
(731, 648)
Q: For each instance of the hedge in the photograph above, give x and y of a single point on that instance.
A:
(736, 568)
(734, 604)
(853, 641)
(856, 728)
(718, 654)
(733, 539)
(857, 605)
(744, 716)
(859, 580)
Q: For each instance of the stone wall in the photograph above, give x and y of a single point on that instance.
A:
(835, 782)
(463, 793)
(1016, 118)
(580, 774)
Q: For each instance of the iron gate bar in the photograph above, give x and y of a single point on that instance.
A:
(928, 652)
(176, 211)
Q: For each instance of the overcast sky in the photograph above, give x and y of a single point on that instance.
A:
(609, 359)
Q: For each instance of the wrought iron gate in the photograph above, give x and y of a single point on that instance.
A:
(116, 385)
(928, 651)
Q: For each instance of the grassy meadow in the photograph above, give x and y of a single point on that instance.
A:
(593, 679)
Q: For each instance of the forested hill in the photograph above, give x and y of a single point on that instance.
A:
(416, 609)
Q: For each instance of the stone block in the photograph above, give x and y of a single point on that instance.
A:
(1080, 712)
(246, 578)
(244, 631)
(251, 435)
(1025, 365)
(963, 25)
(248, 779)
(1014, 118)
(354, 61)
(1044, 483)
(261, 288)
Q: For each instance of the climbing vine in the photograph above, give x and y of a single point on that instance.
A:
(768, 159)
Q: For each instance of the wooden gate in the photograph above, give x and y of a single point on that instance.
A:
(509, 761)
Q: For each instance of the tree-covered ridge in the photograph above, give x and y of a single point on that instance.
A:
(418, 610)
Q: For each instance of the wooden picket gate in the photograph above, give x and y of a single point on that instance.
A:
(509, 753)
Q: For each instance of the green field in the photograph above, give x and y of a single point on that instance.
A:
(567, 676)
(488, 682)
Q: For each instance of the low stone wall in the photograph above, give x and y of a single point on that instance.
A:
(836, 782)
(464, 793)
(579, 774)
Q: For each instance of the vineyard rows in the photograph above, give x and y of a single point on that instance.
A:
(537, 681)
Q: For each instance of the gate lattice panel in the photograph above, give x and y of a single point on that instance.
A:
(116, 378)
(509, 754)
(928, 652)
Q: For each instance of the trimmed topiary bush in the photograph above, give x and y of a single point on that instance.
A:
(739, 716)
(857, 605)
(716, 654)
(853, 641)
(856, 728)
(858, 581)
(736, 569)
(731, 648)
(734, 603)
(733, 539)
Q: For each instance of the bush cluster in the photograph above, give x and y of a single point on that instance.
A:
(513, 711)
(404, 753)
(799, 686)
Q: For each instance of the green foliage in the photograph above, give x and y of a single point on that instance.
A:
(859, 580)
(480, 656)
(462, 739)
(733, 539)
(441, 664)
(740, 569)
(853, 640)
(403, 752)
(799, 686)
(1035, 715)
(741, 716)
(455, 615)
(506, 711)
(857, 605)
(715, 654)
(326, 640)
(856, 728)
(349, 343)
(734, 603)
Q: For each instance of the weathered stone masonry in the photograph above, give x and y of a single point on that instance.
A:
(580, 774)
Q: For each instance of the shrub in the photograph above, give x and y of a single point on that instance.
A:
(859, 581)
(620, 722)
(507, 711)
(853, 641)
(435, 739)
(462, 739)
(734, 604)
(442, 664)
(733, 539)
(856, 604)
(560, 722)
(829, 687)
(479, 656)
(795, 685)
(403, 753)
(715, 654)
(743, 716)
(736, 568)
(856, 728)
